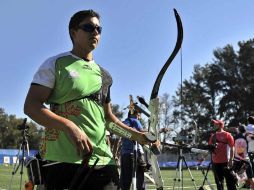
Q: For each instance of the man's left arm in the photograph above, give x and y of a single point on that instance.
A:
(121, 129)
(232, 150)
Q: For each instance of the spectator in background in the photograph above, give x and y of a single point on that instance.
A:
(250, 137)
(222, 156)
(250, 126)
(241, 159)
(127, 156)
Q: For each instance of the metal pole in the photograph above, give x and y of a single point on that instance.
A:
(134, 166)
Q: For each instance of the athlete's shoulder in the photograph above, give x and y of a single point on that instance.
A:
(106, 75)
(62, 56)
(51, 60)
(103, 70)
(45, 74)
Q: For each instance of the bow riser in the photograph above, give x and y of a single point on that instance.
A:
(154, 110)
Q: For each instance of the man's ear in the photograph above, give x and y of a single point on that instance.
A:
(73, 33)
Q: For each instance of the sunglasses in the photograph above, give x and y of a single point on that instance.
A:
(90, 28)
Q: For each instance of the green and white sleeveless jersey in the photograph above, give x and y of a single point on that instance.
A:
(71, 79)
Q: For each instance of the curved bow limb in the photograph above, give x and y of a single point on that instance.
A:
(178, 45)
(154, 105)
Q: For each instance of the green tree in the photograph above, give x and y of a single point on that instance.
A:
(165, 117)
(11, 137)
(117, 111)
(222, 89)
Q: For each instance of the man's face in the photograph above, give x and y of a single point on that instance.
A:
(217, 126)
(87, 39)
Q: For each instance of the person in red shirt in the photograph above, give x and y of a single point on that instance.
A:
(222, 156)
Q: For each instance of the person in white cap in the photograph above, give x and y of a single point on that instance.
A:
(250, 134)
(222, 156)
(250, 139)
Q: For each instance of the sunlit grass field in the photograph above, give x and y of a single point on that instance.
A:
(169, 176)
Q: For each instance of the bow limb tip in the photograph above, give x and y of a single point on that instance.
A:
(175, 11)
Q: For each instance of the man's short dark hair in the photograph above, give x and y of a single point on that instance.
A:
(78, 17)
(241, 129)
(134, 113)
(251, 120)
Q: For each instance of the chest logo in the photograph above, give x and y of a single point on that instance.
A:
(73, 74)
(87, 67)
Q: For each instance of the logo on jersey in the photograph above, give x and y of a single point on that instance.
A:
(73, 74)
(87, 67)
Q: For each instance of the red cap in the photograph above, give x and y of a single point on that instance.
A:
(219, 123)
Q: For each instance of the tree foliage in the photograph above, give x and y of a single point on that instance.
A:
(11, 137)
(117, 111)
(222, 89)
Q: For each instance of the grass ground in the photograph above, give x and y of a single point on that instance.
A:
(168, 177)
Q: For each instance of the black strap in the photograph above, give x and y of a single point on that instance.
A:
(215, 140)
(95, 97)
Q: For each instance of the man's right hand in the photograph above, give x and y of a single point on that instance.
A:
(35, 109)
(80, 140)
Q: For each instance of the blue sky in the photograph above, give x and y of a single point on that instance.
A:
(137, 38)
